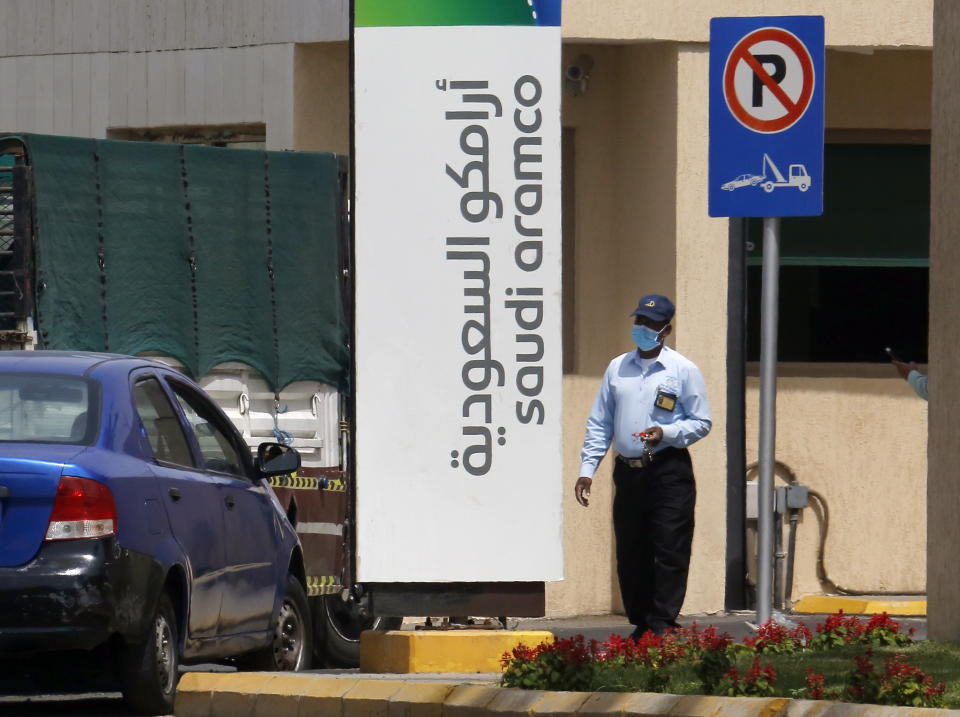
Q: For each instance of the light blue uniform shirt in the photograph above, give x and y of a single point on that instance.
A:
(626, 405)
(919, 383)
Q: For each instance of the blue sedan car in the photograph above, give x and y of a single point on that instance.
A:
(135, 524)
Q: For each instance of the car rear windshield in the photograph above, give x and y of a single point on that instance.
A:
(47, 408)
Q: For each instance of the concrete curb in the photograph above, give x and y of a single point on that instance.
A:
(266, 694)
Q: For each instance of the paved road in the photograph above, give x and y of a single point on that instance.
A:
(599, 627)
(102, 704)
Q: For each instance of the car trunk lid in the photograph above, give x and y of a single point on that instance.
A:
(28, 486)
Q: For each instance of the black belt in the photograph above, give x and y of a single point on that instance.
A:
(648, 458)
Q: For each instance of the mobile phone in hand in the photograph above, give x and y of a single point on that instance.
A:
(893, 355)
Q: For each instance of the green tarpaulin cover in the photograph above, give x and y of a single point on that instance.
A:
(206, 254)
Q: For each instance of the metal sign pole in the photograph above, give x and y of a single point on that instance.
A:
(768, 414)
(766, 112)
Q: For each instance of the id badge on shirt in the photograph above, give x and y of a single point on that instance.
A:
(666, 401)
(667, 394)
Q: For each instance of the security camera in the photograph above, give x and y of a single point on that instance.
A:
(577, 74)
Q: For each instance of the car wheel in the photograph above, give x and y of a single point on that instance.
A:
(341, 624)
(149, 668)
(291, 644)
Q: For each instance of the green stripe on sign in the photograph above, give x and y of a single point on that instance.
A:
(419, 13)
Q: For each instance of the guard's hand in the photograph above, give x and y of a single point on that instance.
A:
(904, 368)
(654, 435)
(582, 490)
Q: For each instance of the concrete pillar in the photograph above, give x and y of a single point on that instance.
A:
(943, 448)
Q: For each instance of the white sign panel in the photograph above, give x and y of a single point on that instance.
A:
(458, 335)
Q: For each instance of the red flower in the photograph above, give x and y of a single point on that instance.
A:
(815, 684)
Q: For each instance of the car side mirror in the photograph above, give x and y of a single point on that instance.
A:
(274, 459)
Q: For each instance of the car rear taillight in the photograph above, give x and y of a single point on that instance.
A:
(83, 508)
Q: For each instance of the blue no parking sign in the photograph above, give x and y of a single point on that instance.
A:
(766, 116)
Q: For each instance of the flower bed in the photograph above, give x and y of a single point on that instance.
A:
(848, 659)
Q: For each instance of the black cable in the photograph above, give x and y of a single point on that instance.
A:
(824, 519)
(821, 566)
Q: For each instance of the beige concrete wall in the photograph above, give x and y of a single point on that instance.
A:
(859, 443)
(886, 89)
(854, 23)
(625, 247)
(641, 225)
(625, 180)
(943, 495)
(644, 121)
(321, 97)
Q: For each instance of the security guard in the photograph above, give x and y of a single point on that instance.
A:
(652, 404)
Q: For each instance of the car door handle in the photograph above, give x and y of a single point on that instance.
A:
(174, 493)
(230, 501)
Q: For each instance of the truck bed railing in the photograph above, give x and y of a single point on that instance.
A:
(15, 236)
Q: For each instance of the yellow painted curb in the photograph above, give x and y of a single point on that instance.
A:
(196, 692)
(463, 651)
(859, 606)
(806, 708)
(233, 704)
(688, 706)
(648, 703)
(560, 704)
(604, 704)
(236, 694)
(324, 696)
(469, 700)
(370, 698)
(420, 699)
(752, 707)
(514, 702)
(280, 696)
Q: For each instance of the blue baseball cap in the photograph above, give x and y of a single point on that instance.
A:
(656, 307)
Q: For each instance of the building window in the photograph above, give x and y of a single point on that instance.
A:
(855, 279)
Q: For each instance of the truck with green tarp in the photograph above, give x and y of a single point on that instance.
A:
(232, 265)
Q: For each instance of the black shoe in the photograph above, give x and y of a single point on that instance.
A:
(638, 632)
(659, 630)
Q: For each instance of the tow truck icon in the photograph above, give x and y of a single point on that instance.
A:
(796, 177)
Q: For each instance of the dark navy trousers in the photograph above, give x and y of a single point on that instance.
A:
(653, 524)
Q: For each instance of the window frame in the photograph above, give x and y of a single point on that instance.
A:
(144, 377)
(176, 387)
(854, 367)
